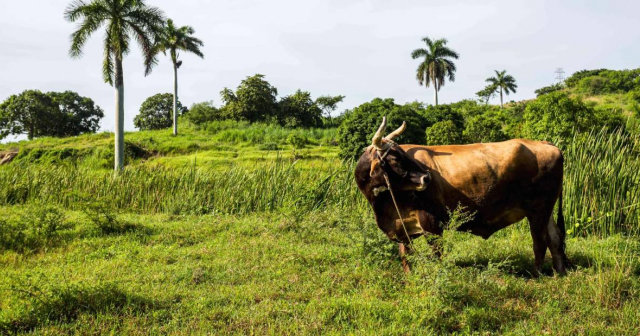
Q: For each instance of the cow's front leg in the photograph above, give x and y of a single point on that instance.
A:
(403, 250)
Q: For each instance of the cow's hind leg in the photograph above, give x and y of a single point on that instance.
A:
(556, 246)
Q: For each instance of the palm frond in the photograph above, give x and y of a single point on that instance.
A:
(107, 64)
(420, 52)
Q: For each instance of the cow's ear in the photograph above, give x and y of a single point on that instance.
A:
(374, 164)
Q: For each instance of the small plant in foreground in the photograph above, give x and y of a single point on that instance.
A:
(105, 218)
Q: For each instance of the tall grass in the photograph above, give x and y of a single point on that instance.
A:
(185, 191)
(601, 194)
(602, 183)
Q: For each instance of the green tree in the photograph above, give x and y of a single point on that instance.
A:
(124, 20)
(503, 82)
(55, 114)
(78, 114)
(361, 123)
(443, 133)
(299, 110)
(155, 112)
(436, 64)
(201, 113)
(434, 114)
(32, 113)
(548, 89)
(173, 40)
(487, 93)
(556, 115)
(254, 100)
(485, 127)
(328, 104)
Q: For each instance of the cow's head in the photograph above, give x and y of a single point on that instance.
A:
(405, 175)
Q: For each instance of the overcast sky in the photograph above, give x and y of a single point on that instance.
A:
(360, 49)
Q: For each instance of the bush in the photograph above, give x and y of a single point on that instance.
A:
(451, 112)
(360, 124)
(443, 133)
(201, 113)
(557, 115)
(297, 141)
(484, 128)
(573, 80)
(40, 228)
(105, 218)
(157, 112)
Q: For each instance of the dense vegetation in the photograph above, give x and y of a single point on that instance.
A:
(248, 220)
(218, 232)
(38, 114)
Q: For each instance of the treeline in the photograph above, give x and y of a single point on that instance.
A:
(256, 100)
(599, 82)
(554, 117)
(57, 114)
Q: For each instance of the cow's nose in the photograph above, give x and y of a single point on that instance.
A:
(423, 183)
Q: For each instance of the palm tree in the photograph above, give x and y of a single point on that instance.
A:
(437, 64)
(174, 39)
(503, 82)
(124, 20)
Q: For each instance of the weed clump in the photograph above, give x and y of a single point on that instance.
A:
(39, 228)
(105, 218)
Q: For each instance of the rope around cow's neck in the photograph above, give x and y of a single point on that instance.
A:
(393, 197)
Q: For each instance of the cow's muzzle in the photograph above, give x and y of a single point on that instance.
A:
(420, 181)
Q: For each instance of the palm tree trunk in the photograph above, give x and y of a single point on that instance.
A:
(119, 131)
(501, 105)
(435, 87)
(175, 99)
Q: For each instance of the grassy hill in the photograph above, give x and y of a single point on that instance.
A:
(233, 230)
(220, 146)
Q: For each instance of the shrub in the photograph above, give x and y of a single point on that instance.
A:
(557, 115)
(297, 141)
(40, 228)
(451, 112)
(157, 112)
(201, 113)
(360, 124)
(105, 218)
(443, 133)
(573, 80)
(484, 128)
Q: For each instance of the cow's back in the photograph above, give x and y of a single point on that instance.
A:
(492, 178)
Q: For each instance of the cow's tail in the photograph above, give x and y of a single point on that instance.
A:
(560, 221)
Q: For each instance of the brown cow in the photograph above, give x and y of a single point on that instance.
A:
(501, 183)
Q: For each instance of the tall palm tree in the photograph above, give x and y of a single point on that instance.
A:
(123, 20)
(175, 39)
(503, 82)
(437, 64)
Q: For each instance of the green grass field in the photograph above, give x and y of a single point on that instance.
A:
(215, 233)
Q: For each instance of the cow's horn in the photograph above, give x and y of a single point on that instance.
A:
(377, 138)
(397, 132)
